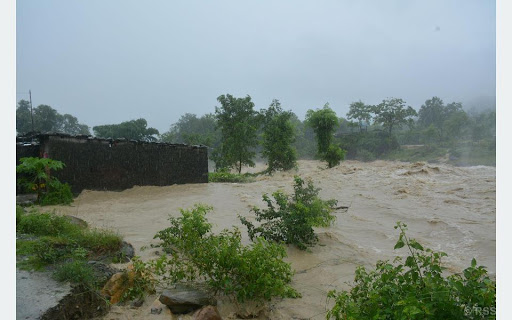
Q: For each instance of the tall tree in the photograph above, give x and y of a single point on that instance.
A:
(324, 123)
(133, 129)
(449, 120)
(71, 125)
(191, 129)
(278, 138)
(23, 117)
(483, 124)
(360, 112)
(46, 119)
(238, 123)
(305, 143)
(391, 113)
(456, 121)
(432, 112)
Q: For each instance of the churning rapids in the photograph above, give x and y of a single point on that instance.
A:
(446, 208)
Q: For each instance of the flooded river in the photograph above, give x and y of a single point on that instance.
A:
(446, 208)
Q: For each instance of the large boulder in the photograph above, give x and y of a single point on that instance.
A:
(184, 299)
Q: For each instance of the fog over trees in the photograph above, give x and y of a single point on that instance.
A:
(237, 134)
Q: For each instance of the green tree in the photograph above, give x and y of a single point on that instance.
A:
(191, 129)
(360, 112)
(483, 124)
(324, 123)
(392, 113)
(305, 143)
(133, 129)
(70, 125)
(46, 119)
(456, 121)
(23, 117)
(34, 174)
(432, 112)
(450, 120)
(334, 155)
(278, 138)
(238, 123)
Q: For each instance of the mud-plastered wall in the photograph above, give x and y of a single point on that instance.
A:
(99, 164)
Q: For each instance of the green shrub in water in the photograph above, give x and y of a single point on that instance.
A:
(416, 289)
(334, 155)
(290, 219)
(254, 272)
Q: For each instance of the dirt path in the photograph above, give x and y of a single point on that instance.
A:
(447, 208)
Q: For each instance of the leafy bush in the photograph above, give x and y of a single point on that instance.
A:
(141, 280)
(58, 193)
(224, 176)
(416, 289)
(34, 176)
(255, 272)
(291, 218)
(334, 155)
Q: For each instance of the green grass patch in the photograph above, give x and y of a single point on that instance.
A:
(75, 271)
(45, 224)
(49, 240)
(100, 241)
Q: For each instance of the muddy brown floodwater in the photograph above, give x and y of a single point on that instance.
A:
(450, 209)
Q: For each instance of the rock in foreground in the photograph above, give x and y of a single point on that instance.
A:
(207, 313)
(185, 299)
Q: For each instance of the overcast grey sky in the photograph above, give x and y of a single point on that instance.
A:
(112, 61)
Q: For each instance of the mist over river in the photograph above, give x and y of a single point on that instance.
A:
(446, 208)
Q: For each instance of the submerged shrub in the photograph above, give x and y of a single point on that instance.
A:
(416, 289)
(254, 272)
(225, 176)
(334, 155)
(58, 193)
(291, 219)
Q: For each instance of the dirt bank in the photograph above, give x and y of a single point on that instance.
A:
(447, 208)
